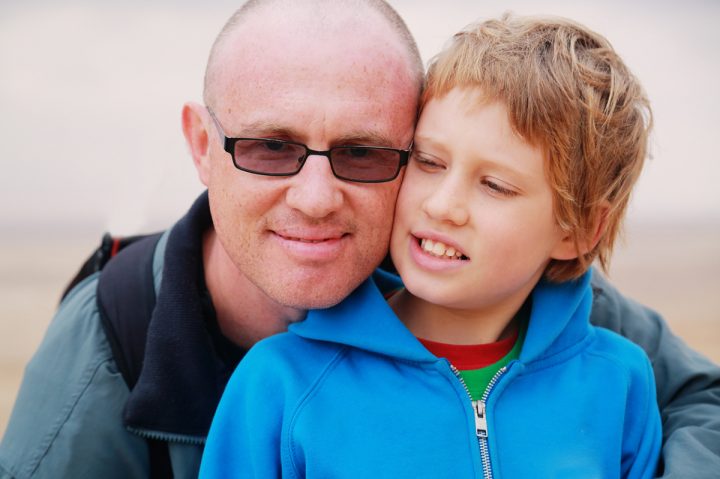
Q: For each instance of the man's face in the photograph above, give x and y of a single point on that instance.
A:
(308, 240)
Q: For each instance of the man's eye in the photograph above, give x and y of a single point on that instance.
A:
(274, 145)
(358, 152)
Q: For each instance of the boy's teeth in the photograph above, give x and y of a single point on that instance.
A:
(437, 248)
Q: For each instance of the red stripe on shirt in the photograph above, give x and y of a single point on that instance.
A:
(471, 356)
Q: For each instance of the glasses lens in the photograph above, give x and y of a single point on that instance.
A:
(268, 156)
(365, 163)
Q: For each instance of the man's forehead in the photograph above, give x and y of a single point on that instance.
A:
(306, 39)
(254, 60)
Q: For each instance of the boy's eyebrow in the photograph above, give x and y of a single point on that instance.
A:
(501, 166)
(420, 140)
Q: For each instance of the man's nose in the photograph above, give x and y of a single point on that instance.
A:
(315, 191)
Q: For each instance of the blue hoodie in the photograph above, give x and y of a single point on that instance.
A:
(351, 393)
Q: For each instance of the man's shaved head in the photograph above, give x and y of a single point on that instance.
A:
(323, 73)
(327, 14)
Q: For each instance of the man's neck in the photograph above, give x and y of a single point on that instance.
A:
(245, 314)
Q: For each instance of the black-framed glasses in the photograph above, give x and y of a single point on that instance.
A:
(273, 157)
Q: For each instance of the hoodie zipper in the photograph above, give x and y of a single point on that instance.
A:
(481, 430)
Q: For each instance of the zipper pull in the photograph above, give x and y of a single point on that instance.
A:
(480, 419)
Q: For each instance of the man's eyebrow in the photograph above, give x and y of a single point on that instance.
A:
(268, 129)
(366, 138)
(265, 129)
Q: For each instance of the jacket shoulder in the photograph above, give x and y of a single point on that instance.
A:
(293, 361)
(250, 425)
(276, 375)
(614, 311)
(629, 383)
(621, 351)
(624, 368)
(71, 400)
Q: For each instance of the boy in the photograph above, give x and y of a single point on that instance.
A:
(531, 136)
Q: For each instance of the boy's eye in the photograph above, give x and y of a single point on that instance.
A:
(496, 188)
(424, 161)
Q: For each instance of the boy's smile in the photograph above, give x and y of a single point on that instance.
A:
(436, 252)
(441, 250)
(474, 225)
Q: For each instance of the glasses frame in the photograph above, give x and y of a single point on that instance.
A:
(229, 146)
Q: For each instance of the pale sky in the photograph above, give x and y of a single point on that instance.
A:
(91, 92)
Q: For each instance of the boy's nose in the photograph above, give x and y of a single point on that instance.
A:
(448, 203)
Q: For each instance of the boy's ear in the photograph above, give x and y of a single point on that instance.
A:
(194, 121)
(566, 249)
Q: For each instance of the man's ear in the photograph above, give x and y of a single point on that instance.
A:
(195, 129)
(567, 249)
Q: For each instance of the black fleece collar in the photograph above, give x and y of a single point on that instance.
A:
(187, 361)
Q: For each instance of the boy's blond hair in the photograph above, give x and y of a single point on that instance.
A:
(567, 91)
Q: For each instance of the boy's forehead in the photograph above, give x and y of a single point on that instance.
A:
(473, 99)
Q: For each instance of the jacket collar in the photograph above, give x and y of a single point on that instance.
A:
(183, 375)
(558, 320)
(365, 321)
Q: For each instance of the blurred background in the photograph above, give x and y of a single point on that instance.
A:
(90, 141)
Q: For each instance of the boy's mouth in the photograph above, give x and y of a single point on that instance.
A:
(440, 250)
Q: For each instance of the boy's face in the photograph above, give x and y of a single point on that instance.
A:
(474, 226)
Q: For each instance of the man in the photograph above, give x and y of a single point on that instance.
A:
(269, 242)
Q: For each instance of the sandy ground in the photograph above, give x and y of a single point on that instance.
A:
(674, 269)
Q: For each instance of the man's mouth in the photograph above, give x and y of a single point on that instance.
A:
(441, 250)
(311, 241)
(311, 237)
(314, 246)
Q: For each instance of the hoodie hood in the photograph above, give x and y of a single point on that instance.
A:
(558, 320)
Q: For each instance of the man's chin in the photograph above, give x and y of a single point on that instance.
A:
(315, 296)
(318, 302)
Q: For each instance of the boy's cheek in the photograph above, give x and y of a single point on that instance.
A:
(414, 184)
